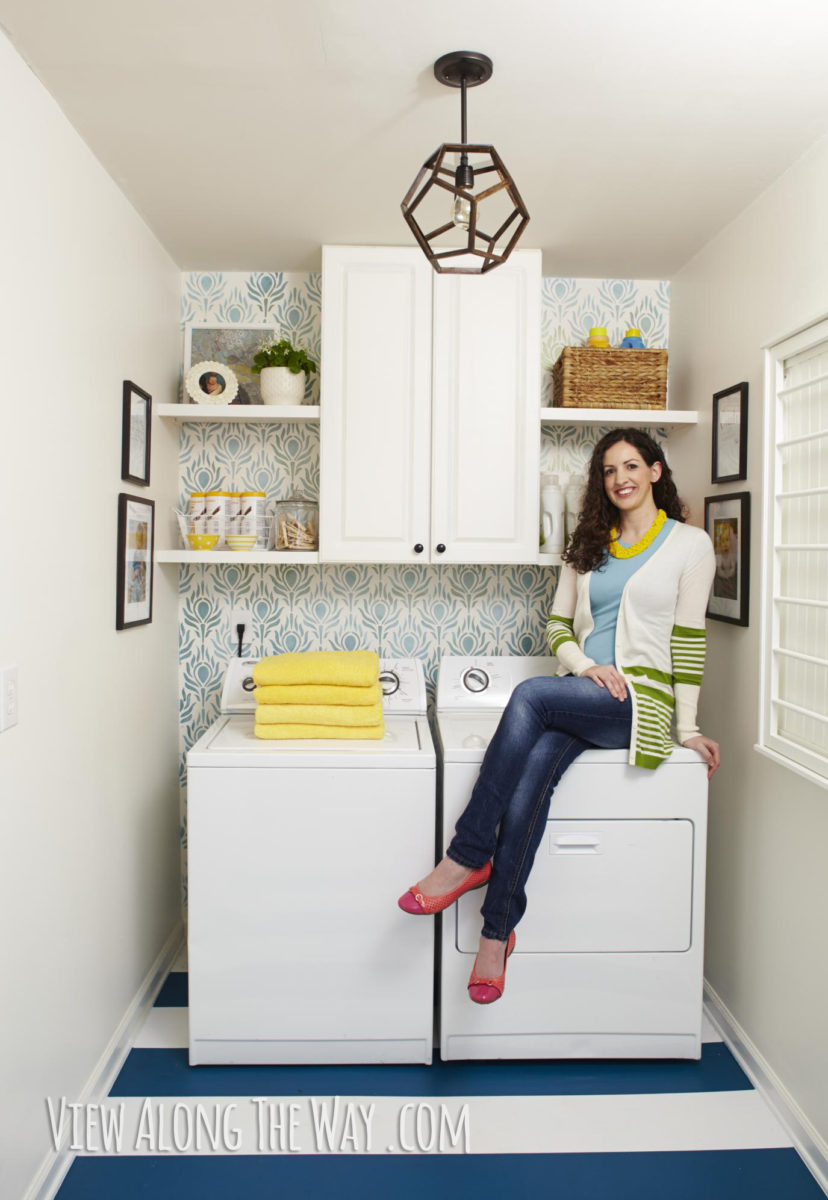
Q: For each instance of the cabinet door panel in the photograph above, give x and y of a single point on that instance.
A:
(376, 404)
(486, 398)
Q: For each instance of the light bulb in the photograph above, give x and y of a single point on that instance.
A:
(461, 212)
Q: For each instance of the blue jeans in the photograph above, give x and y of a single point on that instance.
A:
(547, 723)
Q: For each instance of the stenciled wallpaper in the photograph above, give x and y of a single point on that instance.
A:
(401, 611)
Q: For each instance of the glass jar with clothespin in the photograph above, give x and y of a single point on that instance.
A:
(297, 524)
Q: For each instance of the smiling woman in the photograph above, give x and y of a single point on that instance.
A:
(627, 628)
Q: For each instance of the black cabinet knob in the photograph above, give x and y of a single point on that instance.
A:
(441, 548)
(418, 549)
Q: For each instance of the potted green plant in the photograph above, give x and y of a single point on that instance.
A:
(283, 369)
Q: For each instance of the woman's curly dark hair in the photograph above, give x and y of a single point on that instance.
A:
(587, 548)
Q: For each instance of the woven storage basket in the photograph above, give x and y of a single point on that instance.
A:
(587, 378)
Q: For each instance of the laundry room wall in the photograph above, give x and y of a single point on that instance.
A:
(761, 278)
(89, 879)
(411, 611)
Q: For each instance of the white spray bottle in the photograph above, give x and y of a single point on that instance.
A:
(552, 514)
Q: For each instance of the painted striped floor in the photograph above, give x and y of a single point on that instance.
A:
(621, 1130)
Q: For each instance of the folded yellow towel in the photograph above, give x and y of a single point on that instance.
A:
(355, 668)
(363, 732)
(318, 714)
(317, 693)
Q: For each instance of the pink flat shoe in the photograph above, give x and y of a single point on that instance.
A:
(413, 901)
(486, 991)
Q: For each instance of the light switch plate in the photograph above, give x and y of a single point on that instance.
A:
(8, 698)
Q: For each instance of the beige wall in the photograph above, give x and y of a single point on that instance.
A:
(767, 928)
(89, 885)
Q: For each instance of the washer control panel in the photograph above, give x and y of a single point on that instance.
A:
(486, 682)
(402, 681)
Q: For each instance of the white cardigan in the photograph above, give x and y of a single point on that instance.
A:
(659, 637)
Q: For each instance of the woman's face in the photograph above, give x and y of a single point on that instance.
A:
(628, 481)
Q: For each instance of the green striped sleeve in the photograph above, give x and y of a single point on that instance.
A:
(558, 631)
(688, 647)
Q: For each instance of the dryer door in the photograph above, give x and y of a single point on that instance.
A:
(602, 886)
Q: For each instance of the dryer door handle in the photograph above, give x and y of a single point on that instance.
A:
(575, 843)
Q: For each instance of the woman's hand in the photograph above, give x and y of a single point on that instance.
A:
(708, 749)
(606, 676)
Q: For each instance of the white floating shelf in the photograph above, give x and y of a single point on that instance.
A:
(239, 412)
(209, 558)
(619, 416)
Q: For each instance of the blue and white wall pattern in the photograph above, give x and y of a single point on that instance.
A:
(411, 611)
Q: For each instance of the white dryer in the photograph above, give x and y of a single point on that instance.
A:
(296, 850)
(609, 954)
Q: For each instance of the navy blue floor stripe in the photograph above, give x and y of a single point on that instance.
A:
(156, 1072)
(700, 1175)
(174, 991)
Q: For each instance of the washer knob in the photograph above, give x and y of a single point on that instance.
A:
(475, 680)
(248, 683)
(390, 682)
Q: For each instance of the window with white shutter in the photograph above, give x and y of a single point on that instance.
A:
(794, 702)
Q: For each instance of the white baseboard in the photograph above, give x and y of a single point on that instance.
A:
(52, 1170)
(812, 1148)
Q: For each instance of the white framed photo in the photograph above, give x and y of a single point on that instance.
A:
(233, 346)
(212, 383)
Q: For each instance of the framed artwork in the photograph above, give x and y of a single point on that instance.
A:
(730, 412)
(136, 540)
(727, 521)
(135, 434)
(212, 383)
(232, 345)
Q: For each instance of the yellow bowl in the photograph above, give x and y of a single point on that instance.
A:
(240, 541)
(202, 541)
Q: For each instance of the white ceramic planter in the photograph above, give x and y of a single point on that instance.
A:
(281, 386)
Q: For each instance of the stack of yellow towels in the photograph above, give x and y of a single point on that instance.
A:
(319, 694)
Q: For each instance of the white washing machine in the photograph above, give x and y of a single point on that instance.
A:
(296, 850)
(609, 954)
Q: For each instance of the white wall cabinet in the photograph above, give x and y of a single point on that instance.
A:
(375, 423)
(429, 447)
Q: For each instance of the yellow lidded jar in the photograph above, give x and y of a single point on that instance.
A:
(217, 505)
(253, 517)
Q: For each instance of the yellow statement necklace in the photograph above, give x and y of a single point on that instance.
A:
(619, 551)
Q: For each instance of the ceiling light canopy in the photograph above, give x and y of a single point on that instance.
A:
(464, 208)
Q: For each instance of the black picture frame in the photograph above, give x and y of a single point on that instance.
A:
(730, 417)
(134, 574)
(727, 521)
(136, 429)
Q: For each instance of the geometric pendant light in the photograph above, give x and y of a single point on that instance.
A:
(464, 208)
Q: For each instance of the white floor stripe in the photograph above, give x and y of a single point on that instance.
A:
(479, 1124)
(164, 1028)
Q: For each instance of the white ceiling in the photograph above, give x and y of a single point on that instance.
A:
(247, 133)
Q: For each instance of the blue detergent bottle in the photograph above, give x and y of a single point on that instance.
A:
(632, 340)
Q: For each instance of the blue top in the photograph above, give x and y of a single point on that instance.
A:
(606, 583)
